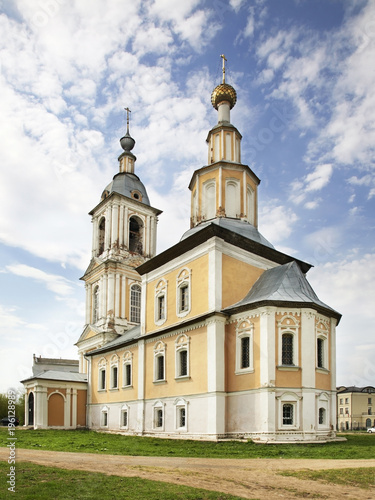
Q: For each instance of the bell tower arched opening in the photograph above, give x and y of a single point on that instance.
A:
(135, 235)
(101, 236)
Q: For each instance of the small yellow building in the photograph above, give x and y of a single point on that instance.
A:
(221, 335)
(355, 408)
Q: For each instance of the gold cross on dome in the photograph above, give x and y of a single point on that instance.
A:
(224, 59)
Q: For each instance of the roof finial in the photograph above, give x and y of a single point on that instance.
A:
(127, 119)
(224, 59)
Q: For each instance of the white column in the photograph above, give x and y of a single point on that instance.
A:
(143, 304)
(126, 227)
(40, 408)
(123, 298)
(308, 363)
(67, 407)
(108, 226)
(332, 368)
(105, 295)
(115, 223)
(216, 376)
(101, 297)
(220, 204)
(117, 295)
(141, 386)
(94, 236)
(111, 292)
(267, 421)
(74, 408)
(121, 228)
(147, 244)
(88, 288)
(214, 279)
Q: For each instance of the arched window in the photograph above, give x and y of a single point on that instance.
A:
(232, 198)
(95, 305)
(183, 292)
(287, 349)
(182, 356)
(101, 236)
(135, 303)
(159, 362)
(102, 374)
(127, 369)
(135, 235)
(368, 422)
(114, 372)
(209, 199)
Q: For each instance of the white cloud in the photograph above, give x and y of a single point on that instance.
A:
(56, 284)
(276, 222)
(314, 181)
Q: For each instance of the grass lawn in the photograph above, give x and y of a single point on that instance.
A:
(363, 477)
(49, 483)
(357, 446)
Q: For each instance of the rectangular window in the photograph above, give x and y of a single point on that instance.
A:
(102, 379)
(161, 307)
(369, 411)
(245, 352)
(182, 417)
(320, 353)
(346, 401)
(184, 298)
(347, 411)
(183, 364)
(114, 384)
(160, 368)
(135, 304)
(104, 419)
(125, 418)
(341, 401)
(287, 349)
(128, 374)
(159, 418)
(341, 411)
(369, 401)
(288, 414)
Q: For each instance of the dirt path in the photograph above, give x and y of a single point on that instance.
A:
(248, 478)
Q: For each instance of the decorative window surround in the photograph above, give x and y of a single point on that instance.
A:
(182, 357)
(159, 362)
(244, 330)
(288, 325)
(183, 293)
(181, 415)
(161, 302)
(114, 373)
(127, 370)
(102, 375)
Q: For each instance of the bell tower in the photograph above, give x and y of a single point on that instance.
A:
(225, 187)
(124, 237)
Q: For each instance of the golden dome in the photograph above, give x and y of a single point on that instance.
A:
(224, 92)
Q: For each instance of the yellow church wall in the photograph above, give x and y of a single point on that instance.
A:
(196, 383)
(199, 294)
(246, 381)
(237, 278)
(323, 381)
(287, 377)
(121, 393)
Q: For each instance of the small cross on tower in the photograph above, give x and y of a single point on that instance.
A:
(224, 59)
(127, 119)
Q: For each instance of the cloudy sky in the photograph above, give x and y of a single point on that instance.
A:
(305, 77)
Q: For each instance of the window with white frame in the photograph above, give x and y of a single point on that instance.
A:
(182, 356)
(321, 344)
(124, 417)
(288, 410)
(114, 372)
(104, 417)
(288, 414)
(159, 362)
(232, 198)
(322, 416)
(181, 414)
(102, 369)
(183, 292)
(127, 368)
(158, 416)
(135, 303)
(288, 328)
(244, 346)
(161, 302)
(95, 304)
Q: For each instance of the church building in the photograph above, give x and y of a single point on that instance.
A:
(220, 336)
